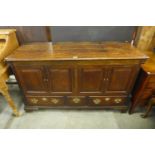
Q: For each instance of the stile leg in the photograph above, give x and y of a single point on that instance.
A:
(4, 91)
(148, 109)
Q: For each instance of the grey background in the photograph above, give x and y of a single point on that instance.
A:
(28, 34)
(92, 33)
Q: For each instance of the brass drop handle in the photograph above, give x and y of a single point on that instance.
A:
(34, 100)
(75, 57)
(97, 101)
(76, 100)
(54, 100)
(44, 99)
(45, 79)
(118, 100)
(106, 79)
(107, 99)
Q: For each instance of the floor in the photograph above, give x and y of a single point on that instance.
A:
(69, 119)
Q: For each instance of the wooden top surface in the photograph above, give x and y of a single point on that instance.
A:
(149, 65)
(77, 51)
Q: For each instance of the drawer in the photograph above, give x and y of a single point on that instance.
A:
(46, 101)
(107, 100)
(76, 101)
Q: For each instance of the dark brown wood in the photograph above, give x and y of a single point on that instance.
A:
(145, 84)
(80, 75)
(91, 80)
(118, 86)
(33, 79)
(60, 80)
(110, 52)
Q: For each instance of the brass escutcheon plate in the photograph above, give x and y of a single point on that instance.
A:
(76, 100)
(118, 100)
(34, 100)
(44, 99)
(107, 99)
(97, 101)
(54, 100)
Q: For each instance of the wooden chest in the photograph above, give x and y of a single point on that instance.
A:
(76, 75)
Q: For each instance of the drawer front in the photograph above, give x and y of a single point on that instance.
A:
(76, 101)
(46, 101)
(106, 101)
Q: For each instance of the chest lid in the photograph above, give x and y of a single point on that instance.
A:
(75, 51)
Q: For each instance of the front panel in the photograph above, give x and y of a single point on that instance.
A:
(120, 79)
(32, 79)
(60, 80)
(91, 80)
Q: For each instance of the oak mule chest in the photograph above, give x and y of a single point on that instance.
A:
(76, 75)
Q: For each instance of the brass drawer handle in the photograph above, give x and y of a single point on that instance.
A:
(54, 100)
(97, 101)
(76, 100)
(118, 100)
(34, 100)
(107, 99)
(44, 99)
(75, 57)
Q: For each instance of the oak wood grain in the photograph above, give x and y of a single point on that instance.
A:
(76, 51)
